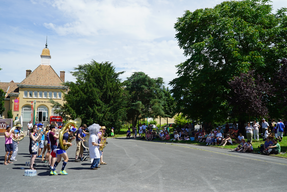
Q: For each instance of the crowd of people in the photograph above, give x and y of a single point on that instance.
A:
(45, 143)
(221, 135)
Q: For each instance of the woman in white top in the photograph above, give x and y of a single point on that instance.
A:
(249, 132)
(256, 127)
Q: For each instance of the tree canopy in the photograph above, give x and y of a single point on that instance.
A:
(96, 96)
(145, 97)
(232, 38)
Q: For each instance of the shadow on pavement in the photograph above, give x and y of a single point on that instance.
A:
(79, 168)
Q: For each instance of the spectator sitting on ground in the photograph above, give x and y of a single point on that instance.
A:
(264, 146)
(128, 133)
(247, 147)
(209, 138)
(218, 137)
(148, 134)
(226, 140)
(239, 138)
(161, 135)
(186, 137)
(199, 137)
(240, 146)
(275, 149)
(205, 135)
(166, 135)
(176, 136)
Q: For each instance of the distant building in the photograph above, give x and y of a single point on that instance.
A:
(34, 92)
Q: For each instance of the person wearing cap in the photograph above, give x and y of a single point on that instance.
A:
(8, 145)
(16, 133)
(41, 143)
(265, 126)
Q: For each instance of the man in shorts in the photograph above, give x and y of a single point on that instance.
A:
(17, 132)
(53, 136)
(61, 153)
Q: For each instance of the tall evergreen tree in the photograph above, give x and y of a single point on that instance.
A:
(96, 96)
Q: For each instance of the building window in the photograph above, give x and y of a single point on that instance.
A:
(25, 93)
(40, 94)
(45, 94)
(35, 94)
(55, 94)
(30, 93)
(60, 95)
(50, 94)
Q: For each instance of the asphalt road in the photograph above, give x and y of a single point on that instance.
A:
(135, 165)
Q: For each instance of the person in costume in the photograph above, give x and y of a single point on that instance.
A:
(17, 132)
(61, 153)
(94, 145)
(8, 145)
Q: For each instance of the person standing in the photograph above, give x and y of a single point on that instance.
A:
(41, 143)
(280, 130)
(256, 127)
(29, 126)
(79, 141)
(61, 153)
(249, 132)
(94, 145)
(113, 132)
(17, 132)
(265, 126)
(102, 137)
(8, 145)
(53, 143)
(33, 145)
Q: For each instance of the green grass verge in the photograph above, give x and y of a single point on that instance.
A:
(255, 144)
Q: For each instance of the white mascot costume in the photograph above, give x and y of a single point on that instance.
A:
(94, 129)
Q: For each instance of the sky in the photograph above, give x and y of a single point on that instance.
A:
(135, 35)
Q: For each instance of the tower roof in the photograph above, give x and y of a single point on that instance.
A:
(43, 75)
(46, 52)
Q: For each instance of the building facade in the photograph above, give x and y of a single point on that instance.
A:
(35, 92)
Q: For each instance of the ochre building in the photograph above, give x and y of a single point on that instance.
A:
(35, 92)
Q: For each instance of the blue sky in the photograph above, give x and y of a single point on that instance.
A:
(135, 35)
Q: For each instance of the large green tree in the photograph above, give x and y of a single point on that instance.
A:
(96, 96)
(145, 97)
(220, 43)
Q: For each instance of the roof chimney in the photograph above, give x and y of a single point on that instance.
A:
(28, 72)
(62, 75)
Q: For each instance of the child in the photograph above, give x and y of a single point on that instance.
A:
(112, 133)
(129, 133)
(208, 139)
(176, 136)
